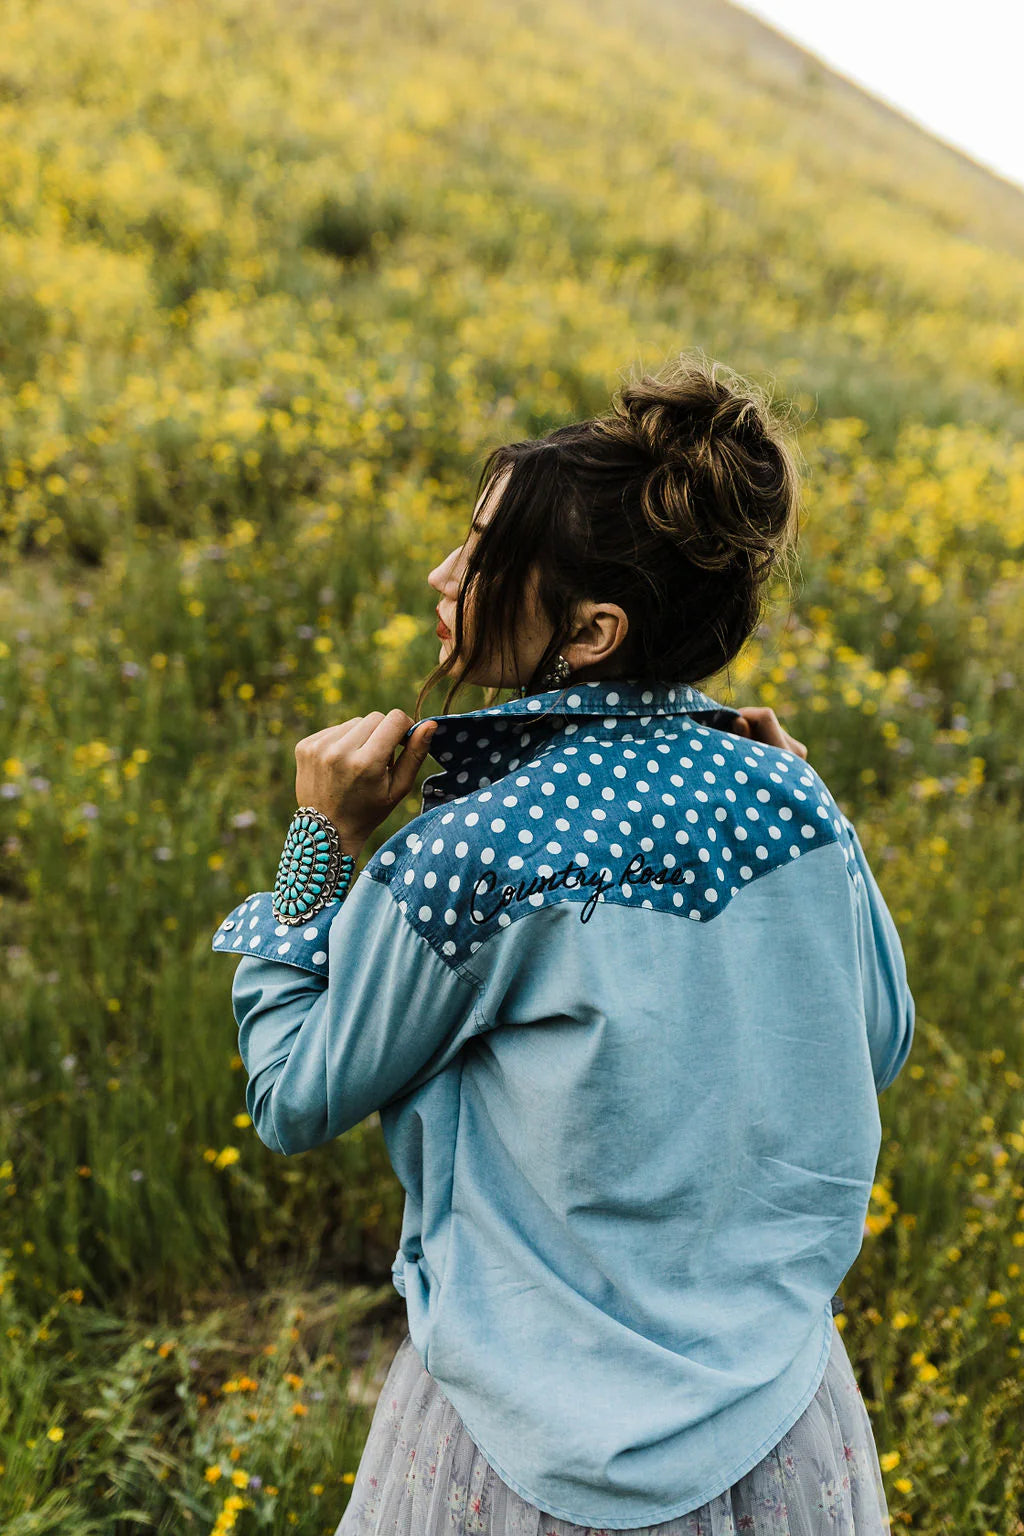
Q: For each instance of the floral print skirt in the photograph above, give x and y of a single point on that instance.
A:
(421, 1475)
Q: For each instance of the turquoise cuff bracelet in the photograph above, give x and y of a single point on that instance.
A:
(313, 870)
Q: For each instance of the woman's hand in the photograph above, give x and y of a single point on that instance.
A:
(759, 723)
(346, 771)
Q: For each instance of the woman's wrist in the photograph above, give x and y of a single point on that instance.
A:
(351, 841)
(353, 846)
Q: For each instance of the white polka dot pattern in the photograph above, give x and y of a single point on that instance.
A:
(252, 929)
(618, 794)
(636, 802)
(473, 752)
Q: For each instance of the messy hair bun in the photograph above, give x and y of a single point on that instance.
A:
(722, 481)
(675, 505)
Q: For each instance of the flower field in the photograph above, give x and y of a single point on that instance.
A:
(273, 280)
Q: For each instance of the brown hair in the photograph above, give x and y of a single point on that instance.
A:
(676, 505)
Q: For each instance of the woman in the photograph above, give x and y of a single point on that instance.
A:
(624, 995)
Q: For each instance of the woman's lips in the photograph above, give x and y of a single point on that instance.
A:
(442, 631)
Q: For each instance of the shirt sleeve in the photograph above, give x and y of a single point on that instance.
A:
(339, 1016)
(888, 1002)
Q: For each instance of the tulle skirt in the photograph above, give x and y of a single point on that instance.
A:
(421, 1475)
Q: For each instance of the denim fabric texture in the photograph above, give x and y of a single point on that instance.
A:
(624, 995)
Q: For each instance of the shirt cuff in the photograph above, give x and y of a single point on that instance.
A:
(252, 929)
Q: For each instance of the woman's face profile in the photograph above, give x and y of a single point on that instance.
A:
(601, 630)
(532, 632)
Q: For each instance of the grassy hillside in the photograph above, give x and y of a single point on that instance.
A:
(273, 279)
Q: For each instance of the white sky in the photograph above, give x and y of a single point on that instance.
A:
(957, 70)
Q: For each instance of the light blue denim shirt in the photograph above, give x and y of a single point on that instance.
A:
(624, 994)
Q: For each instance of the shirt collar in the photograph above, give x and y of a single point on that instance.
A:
(482, 745)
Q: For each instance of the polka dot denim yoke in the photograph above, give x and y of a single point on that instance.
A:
(623, 994)
(592, 793)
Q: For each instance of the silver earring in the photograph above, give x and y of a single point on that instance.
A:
(559, 673)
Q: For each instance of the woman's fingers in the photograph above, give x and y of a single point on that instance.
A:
(403, 775)
(759, 722)
(347, 770)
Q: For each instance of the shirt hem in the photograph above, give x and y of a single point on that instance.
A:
(673, 1511)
